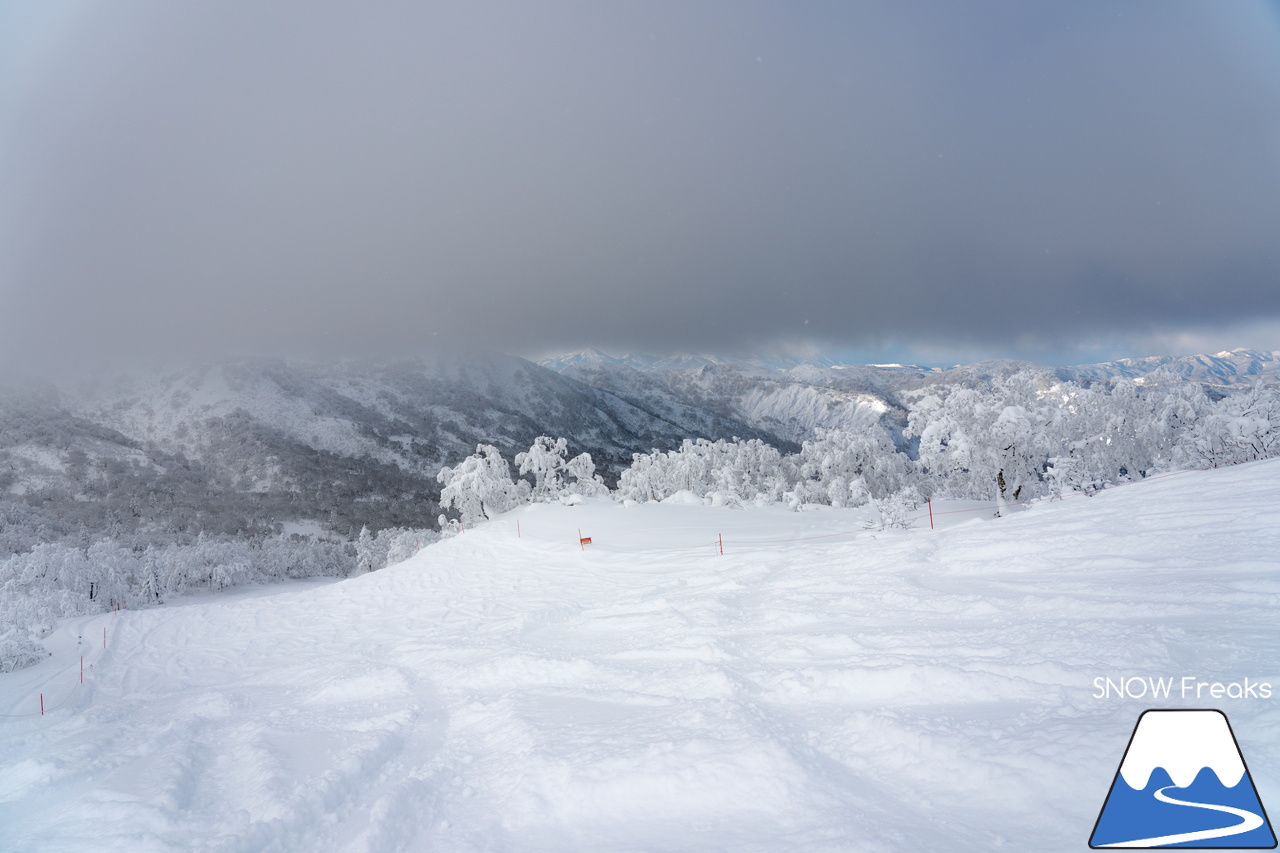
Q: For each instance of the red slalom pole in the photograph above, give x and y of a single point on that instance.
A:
(581, 544)
(929, 501)
(42, 704)
(82, 669)
(518, 528)
(721, 535)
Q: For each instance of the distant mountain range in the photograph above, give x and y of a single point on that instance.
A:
(1238, 367)
(650, 361)
(1225, 369)
(254, 447)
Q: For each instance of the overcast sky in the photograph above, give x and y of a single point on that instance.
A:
(934, 181)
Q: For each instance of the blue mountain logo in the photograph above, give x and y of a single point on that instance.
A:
(1183, 783)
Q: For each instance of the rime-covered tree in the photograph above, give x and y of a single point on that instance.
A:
(364, 551)
(481, 485)
(847, 468)
(545, 461)
(586, 481)
(1237, 428)
(745, 470)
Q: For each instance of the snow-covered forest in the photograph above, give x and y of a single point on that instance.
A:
(1023, 438)
(1022, 435)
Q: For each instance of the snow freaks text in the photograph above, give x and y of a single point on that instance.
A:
(1185, 687)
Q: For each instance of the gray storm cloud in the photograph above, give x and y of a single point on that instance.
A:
(348, 178)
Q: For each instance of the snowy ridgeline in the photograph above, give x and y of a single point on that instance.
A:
(1025, 435)
(505, 690)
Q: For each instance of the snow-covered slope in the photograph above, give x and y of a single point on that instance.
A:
(508, 690)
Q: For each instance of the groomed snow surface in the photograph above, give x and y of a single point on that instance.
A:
(892, 690)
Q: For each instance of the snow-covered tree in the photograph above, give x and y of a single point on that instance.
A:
(847, 468)
(1030, 433)
(403, 543)
(1238, 428)
(481, 485)
(545, 461)
(955, 453)
(747, 470)
(389, 546)
(586, 481)
(364, 551)
(645, 479)
(1021, 449)
(900, 510)
(114, 572)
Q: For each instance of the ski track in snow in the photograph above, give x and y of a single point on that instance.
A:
(904, 690)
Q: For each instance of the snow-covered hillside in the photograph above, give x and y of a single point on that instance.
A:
(818, 687)
(414, 414)
(248, 448)
(788, 403)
